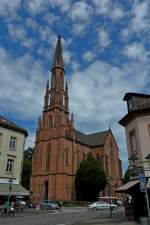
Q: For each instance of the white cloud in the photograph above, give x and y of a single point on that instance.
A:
(141, 16)
(79, 29)
(103, 7)
(28, 43)
(125, 33)
(50, 18)
(89, 56)
(75, 65)
(80, 11)
(136, 51)
(45, 33)
(117, 13)
(22, 86)
(64, 5)
(8, 8)
(35, 6)
(30, 140)
(16, 31)
(67, 57)
(103, 38)
(108, 8)
(31, 23)
(92, 84)
(38, 6)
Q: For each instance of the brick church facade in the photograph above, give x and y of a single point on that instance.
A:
(59, 147)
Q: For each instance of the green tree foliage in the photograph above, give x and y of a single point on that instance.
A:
(90, 179)
(27, 166)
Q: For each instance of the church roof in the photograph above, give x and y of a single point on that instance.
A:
(92, 140)
(12, 126)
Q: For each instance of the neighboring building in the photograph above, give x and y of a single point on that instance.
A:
(137, 126)
(12, 140)
(59, 147)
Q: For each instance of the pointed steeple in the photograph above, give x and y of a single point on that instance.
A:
(58, 58)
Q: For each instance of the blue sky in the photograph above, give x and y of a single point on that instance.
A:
(106, 54)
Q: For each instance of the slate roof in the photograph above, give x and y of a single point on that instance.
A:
(91, 140)
(12, 126)
(130, 94)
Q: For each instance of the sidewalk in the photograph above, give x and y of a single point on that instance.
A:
(118, 218)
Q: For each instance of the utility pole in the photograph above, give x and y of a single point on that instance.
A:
(109, 179)
(10, 189)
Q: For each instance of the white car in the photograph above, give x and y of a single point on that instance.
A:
(101, 205)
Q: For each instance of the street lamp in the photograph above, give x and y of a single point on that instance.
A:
(10, 189)
(109, 180)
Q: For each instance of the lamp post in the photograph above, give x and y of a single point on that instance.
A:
(10, 189)
(109, 179)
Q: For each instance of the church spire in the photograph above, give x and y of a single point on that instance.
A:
(66, 98)
(58, 58)
(46, 98)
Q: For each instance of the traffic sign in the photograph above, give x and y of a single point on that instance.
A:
(142, 183)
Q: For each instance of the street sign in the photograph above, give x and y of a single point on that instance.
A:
(142, 183)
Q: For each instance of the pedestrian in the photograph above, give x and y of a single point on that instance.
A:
(5, 207)
(12, 209)
(1, 210)
(60, 206)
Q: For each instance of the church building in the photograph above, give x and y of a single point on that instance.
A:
(59, 147)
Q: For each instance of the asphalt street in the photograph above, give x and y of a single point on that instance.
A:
(69, 216)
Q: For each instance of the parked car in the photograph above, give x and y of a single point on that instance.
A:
(101, 205)
(31, 205)
(49, 205)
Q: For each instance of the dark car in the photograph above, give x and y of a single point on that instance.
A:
(49, 205)
(31, 205)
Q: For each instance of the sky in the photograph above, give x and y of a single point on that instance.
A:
(106, 53)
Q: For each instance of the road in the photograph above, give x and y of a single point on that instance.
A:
(67, 217)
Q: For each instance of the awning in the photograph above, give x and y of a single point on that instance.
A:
(17, 189)
(127, 186)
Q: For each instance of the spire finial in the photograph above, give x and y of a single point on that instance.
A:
(66, 86)
(58, 58)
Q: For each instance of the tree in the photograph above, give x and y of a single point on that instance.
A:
(90, 179)
(27, 166)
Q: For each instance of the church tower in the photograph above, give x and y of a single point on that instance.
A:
(59, 147)
(49, 172)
